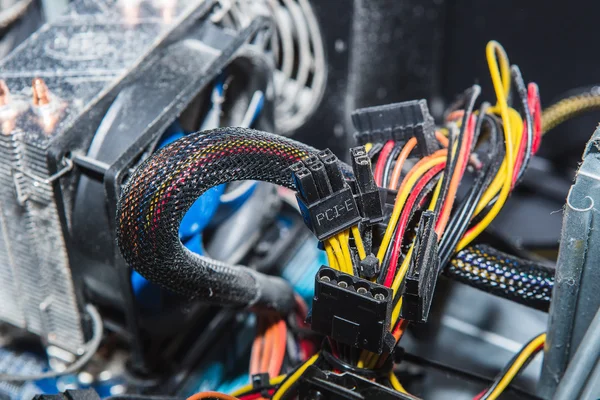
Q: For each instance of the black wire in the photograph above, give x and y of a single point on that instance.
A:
(509, 365)
(522, 92)
(385, 265)
(461, 373)
(375, 149)
(459, 221)
(479, 125)
(388, 164)
(472, 94)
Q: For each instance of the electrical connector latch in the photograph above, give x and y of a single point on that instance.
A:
(368, 193)
(352, 310)
(422, 273)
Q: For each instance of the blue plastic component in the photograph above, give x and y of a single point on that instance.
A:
(148, 295)
(192, 225)
(200, 213)
(233, 384)
(221, 371)
(173, 133)
(300, 271)
(18, 363)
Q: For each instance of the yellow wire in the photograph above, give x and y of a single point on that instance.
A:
(396, 383)
(516, 367)
(499, 179)
(402, 271)
(363, 360)
(436, 194)
(331, 256)
(337, 251)
(400, 200)
(344, 239)
(367, 358)
(359, 244)
(494, 51)
(294, 377)
(273, 381)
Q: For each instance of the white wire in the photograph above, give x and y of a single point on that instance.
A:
(319, 71)
(304, 58)
(284, 28)
(251, 112)
(91, 348)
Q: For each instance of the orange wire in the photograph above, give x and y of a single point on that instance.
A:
(454, 183)
(279, 348)
(442, 138)
(211, 395)
(438, 153)
(444, 142)
(270, 338)
(454, 115)
(402, 157)
(257, 346)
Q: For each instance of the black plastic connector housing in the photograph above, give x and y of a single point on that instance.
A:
(369, 266)
(422, 273)
(320, 384)
(399, 122)
(352, 310)
(326, 200)
(368, 193)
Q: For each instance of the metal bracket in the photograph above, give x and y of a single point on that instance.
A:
(17, 173)
(46, 181)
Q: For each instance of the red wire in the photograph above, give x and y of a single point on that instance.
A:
(383, 156)
(535, 110)
(464, 156)
(520, 154)
(418, 188)
(480, 395)
(535, 107)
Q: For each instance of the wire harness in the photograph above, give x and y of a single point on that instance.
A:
(389, 232)
(166, 184)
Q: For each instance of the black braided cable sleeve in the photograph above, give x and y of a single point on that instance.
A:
(166, 184)
(503, 275)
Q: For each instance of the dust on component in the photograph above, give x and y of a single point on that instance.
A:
(422, 273)
(4, 94)
(326, 201)
(368, 194)
(352, 310)
(399, 122)
(40, 92)
(369, 267)
(10, 109)
(82, 66)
